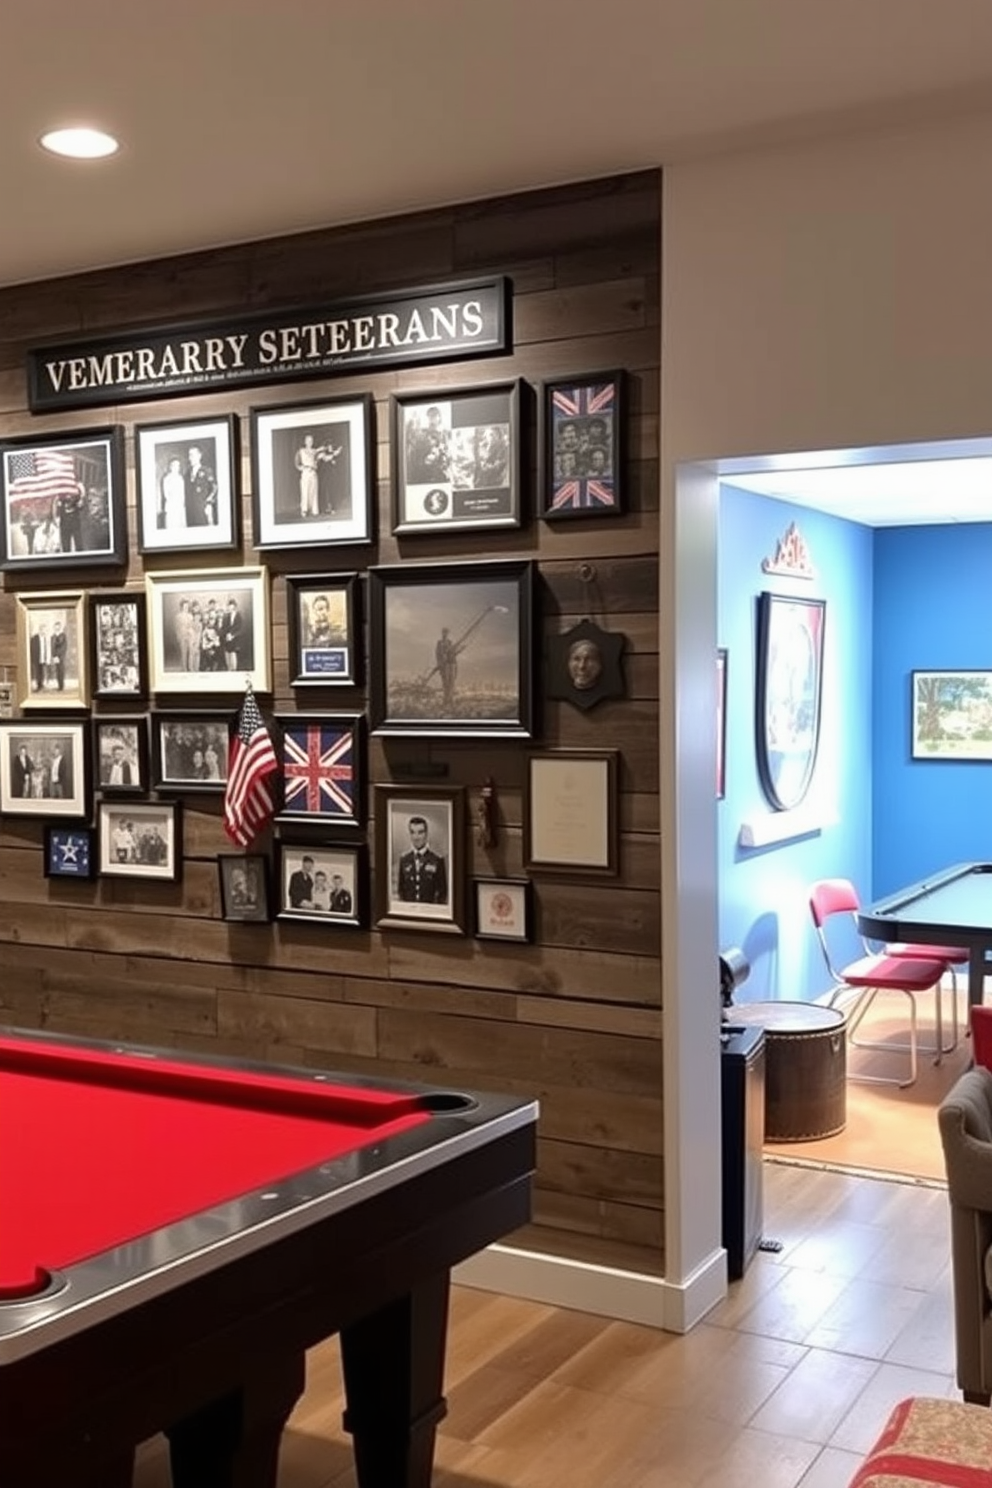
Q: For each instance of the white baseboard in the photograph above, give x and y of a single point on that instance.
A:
(630, 1296)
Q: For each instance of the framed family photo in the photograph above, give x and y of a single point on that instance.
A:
(313, 473)
(44, 770)
(322, 882)
(571, 812)
(139, 839)
(187, 485)
(120, 755)
(118, 644)
(52, 651)
(581, 455)
(208, 630)
(420, 870)
(320, 762)
(457, 459)
(325, 647)
(245, 894)
(190, 751)
(63, 503)
(503, 909)
(70, 852)
(451, 648)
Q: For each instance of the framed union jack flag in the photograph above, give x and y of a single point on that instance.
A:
(582, 446)
(321, 759)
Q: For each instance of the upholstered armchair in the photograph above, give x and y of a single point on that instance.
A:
(965, 1118)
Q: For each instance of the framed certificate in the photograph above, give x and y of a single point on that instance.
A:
(570, 812)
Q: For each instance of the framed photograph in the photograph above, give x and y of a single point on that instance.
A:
(120, 755)
(721, 723)
(51, 650)
(322, 882)
(244, 888)
(503, 908)
(313, 473)
(8, 693)
(581, 458)
(63, 501)
(570, 812)
(187, 485)
(419, 862)
(70, 852)
(140, 839)
(321, 758)
(790, 679)
(118, 644)
(44, 769)
(209, 630)
(952, 715)
(457, 459)
(325, 638)
(451, 649)
(190, 751)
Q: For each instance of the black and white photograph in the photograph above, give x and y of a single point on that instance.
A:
(70, 852)
(322, 882)
(44, 769)
(190, 751)
(120, 755)
(244, 887)
(63, 501)
(457, 459)
(139, 839)
(118, 645)
(209, 630)
(324, 637)
(418, 854)
(187, 486)
(51, 650)
(581, 446)
(313, 473)
(451, 650)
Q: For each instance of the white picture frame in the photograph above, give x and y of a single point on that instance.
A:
(188, 609)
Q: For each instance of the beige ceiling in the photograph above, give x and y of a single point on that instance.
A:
(249, 118)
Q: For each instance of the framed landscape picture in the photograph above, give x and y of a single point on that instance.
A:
(419, 858)
(451, 648)
(581, 456)
(63, 500)
(190, 751)
(187, 485)
(325, 647)
(457, 459)
(120, 755)
(208, 630)
(140, 839)
(321, 760)
(952, 715)
(118, 644)
(313, 473)
(52, 651)
(44, 769)
(323, 882)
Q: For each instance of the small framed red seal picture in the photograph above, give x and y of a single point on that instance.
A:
(503, 909)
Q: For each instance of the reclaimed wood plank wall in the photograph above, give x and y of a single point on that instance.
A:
(574, 1018)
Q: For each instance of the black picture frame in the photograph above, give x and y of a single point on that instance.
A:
(118, 634)
(140, 840)
(503, 909)
(62, 500)
(313, 473)
(29, 750)
(69, 852)
(120, 754)
(190, 750)
(571, 813)
(245, 888)
(321, 768)
(431, 897)
(482, 619)
(788, 694)
(187, 485)
(323, 616)
(582, 446)
(347, 862)
(457, 458)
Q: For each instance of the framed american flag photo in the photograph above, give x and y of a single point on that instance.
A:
(320, 764)
(581, 459)
(63, 500)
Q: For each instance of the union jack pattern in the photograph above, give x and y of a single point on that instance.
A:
(318, 768)
(578, 491)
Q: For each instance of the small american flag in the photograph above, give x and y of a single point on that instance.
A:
(42, 472)
(251, 760)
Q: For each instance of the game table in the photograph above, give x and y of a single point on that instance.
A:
(176, 1231)
(953, 907)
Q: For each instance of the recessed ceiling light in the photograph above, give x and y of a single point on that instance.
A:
(80, 144)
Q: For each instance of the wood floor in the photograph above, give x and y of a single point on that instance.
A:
(784, 1384)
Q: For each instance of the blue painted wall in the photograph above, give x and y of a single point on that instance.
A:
(763, 893)
(933, 611)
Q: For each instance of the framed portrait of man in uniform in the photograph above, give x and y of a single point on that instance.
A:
(419, 858)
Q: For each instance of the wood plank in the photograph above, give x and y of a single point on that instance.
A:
(332, 1028)
(535, 970)
(599, 1173)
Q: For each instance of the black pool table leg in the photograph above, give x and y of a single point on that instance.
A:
(234, 1442)
(393, 1363)
(976, 975)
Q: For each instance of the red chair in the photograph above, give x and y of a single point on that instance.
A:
(878, 972)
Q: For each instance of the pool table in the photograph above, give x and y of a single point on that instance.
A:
(953, 907)
(176, 1231)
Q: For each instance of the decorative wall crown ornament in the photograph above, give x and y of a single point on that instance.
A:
(791, 556)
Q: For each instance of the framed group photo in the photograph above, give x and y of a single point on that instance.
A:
(208, 630)
(51, 650)
(313, 477)
(190, 751)
(120, 755)
(139, 839)
(451, 648)
(581, 456)
(187, 485)
(457, 459)
(118, 644)
(320, 764)
(44, 769)
(325, 647)
(420, 868)
(322, 882)
(245, 893)
(63, 503)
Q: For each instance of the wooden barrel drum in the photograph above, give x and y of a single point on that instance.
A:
(805, 1067)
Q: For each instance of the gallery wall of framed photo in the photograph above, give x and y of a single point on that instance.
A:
(440, 579)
